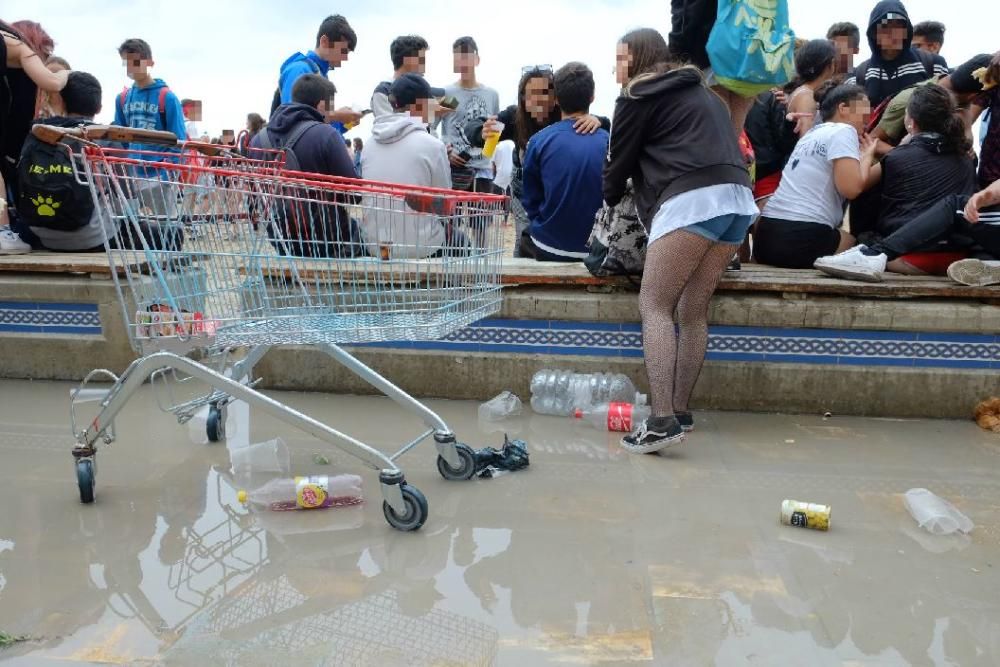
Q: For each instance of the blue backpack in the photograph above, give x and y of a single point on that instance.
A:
(751, 46)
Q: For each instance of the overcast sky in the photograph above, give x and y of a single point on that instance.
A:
(228, 53)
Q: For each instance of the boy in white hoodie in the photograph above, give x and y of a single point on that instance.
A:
(402, 151)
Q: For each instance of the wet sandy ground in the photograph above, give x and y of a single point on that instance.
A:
(590, 556)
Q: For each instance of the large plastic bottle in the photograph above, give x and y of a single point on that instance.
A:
(616, 417)
(563, 392)
(305, 493)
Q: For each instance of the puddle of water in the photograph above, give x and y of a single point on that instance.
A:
(589, 556)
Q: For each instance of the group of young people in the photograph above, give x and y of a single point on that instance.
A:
(857, 165)
(890, 136)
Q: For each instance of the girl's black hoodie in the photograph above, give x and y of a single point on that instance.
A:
(671, 134)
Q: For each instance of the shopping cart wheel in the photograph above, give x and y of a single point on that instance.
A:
(465, 470)
(85, 479)
(215, 427)
(416, 510)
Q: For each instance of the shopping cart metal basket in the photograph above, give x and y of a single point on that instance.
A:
(225, 256)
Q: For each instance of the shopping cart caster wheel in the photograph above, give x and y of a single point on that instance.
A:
(465, 470)
(215, 427)
(416, 510)
(85, 479)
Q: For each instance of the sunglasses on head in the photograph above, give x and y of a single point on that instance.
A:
(536, 68)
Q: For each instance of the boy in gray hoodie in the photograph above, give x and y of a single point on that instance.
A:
(403, 151)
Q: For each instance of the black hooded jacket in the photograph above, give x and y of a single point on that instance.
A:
(670, 135)
(321, 150)
(883, 79)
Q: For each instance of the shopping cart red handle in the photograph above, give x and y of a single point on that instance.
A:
(53, 135)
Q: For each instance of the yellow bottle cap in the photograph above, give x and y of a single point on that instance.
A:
(241, 496)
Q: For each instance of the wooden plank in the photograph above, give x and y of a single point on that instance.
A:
(753, 278)
(59, 262)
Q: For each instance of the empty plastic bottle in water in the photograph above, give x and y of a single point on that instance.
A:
(563, 392)
(935, 514)
(504, 405)
(616, 417)
(305, 493)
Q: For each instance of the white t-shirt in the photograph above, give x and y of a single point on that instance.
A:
(192, 130)
(503, 160)
(807, 192)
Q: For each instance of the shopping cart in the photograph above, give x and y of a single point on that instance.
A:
(281, 258)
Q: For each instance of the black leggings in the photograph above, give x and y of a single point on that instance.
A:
(943, 222)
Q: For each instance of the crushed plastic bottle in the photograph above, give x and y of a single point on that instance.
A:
(506, 404)
(305, 493)
(616, 417)
(935, 514)
(561, 393)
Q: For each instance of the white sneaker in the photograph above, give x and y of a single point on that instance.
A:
(11, 243)
(853, 265)
(975, 272)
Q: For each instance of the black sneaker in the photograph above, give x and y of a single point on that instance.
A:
(734, 263)
(686, 420)
(653, 435)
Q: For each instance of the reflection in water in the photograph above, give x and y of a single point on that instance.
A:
(590, 556)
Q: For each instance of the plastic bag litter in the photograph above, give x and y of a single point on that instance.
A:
(505, 404)
(935, 514)
(491, 462)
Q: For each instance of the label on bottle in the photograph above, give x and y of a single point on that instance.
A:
(800, 520)
(620, 417)
(311, 492)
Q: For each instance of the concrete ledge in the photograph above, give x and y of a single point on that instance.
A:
(794, 311)
(787, 388)
(771, 351)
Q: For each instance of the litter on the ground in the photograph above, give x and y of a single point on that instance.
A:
(321, 460)
(988, 414)
(506, 404)
(305, 493)
(805, 515)
(935, 514)
(492, 462)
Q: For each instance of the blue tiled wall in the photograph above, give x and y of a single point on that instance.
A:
(49, 318)
(755, 344)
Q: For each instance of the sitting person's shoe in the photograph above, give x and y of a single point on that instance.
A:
(686, 420)
(975, 272)
(854, 264)
(11, 243)
(734, 264)
(654, 434)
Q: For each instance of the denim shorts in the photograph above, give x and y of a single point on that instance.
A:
(731, 228)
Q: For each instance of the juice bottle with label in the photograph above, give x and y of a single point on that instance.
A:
(305, 493)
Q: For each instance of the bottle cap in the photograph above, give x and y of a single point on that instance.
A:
(578, 413)
(241, 496)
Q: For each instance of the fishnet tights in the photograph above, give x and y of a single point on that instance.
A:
(681, 274)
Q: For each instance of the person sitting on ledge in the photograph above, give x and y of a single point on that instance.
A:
(562, 175)
(976, 218)
(58, 208)
(830, 165)
(933, 163)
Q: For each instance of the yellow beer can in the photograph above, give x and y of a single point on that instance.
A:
(805, 515)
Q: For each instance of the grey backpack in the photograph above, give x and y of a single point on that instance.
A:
(618, 242)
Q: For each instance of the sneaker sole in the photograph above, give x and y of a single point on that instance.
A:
(974, 273)
(657, 446)
(838, 272)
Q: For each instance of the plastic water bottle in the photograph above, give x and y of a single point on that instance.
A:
(616, 417)
(305, 493)
(563, 392)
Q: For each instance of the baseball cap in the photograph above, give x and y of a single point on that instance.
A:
(409, 88)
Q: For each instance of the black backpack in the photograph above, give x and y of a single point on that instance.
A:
(51, 196)
(306, 228)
